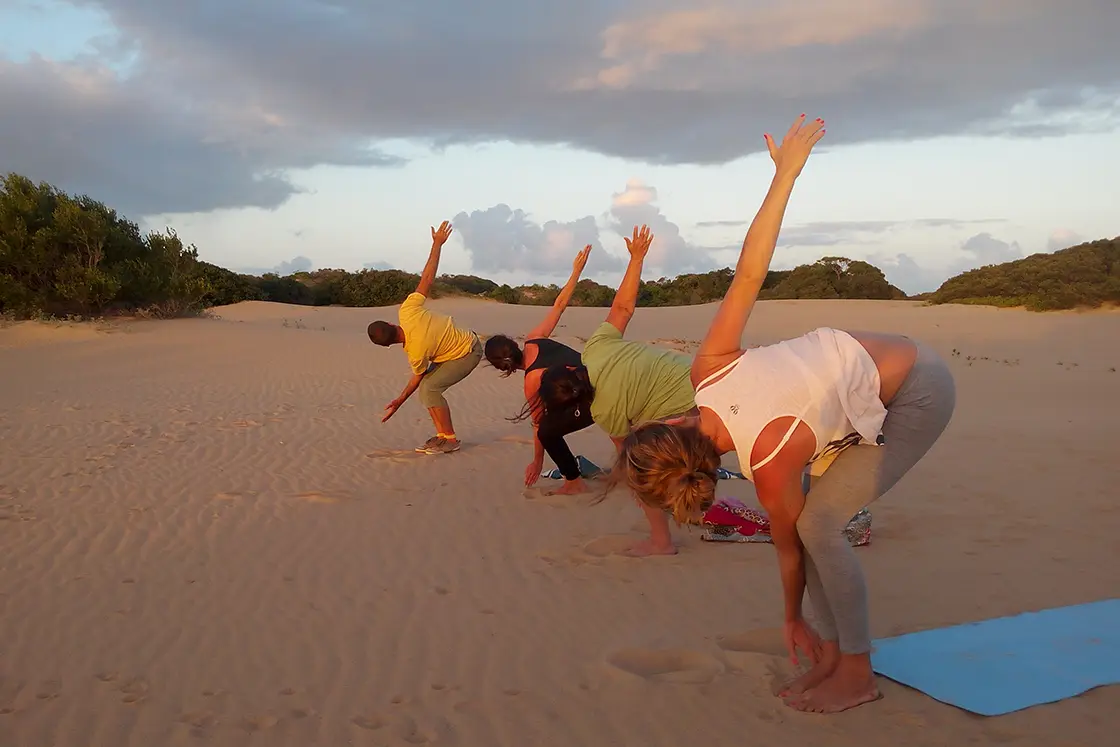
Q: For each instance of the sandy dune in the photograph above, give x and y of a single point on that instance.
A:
(207, 534)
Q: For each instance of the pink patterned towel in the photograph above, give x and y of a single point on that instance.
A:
(730, 520)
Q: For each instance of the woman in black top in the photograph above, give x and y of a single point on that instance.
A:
(539, 354)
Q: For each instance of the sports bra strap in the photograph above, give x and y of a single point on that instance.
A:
(719, 373)
(785, 440)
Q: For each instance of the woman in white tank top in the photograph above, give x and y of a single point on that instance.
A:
(855, 409)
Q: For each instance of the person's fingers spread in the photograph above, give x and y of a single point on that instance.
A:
(795, 126)
(812, 128)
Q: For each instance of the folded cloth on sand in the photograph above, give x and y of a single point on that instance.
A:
(587, 468)
(730, 520)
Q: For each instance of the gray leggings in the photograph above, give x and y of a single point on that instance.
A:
(916, 418)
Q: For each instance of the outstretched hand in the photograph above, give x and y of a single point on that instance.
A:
(533, 473)
(581, 260)
(390, 410)
(791, 155)
(442, 234)
(638, 244)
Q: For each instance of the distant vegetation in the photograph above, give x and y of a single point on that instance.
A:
(1087, 275)
(71, 255)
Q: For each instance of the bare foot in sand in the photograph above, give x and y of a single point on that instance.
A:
(648, 547)
(821, 671)
(570, 487)
(851, 685)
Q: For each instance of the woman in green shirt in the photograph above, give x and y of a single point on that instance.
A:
(625, 383)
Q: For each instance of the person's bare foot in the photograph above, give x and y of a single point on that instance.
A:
(821, 671)
(847, 687)
(648, 547)
(570, 487)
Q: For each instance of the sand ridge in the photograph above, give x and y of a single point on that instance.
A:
(208, 534)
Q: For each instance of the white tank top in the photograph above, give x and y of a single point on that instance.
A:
(825, 378)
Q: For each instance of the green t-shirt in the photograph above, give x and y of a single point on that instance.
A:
(635, 382)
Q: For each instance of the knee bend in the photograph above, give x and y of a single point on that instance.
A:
(431, 396)
(548, 435)
(817, 527)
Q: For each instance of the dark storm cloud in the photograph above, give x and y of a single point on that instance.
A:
(222, 98)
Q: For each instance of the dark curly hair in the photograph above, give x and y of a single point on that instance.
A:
(503, 354)
(562, 388)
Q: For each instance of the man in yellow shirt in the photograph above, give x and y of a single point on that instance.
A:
(439, 353)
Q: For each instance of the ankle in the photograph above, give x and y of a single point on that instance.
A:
(831, 649)
(447, 436)
(855, 666)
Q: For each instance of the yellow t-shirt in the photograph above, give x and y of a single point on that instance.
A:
(430, 338)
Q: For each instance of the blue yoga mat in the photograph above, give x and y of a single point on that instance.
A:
(1007, 664)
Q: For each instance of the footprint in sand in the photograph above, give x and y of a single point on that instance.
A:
(758, 654)
(596, 552)
(677, 666)
(48, 690)
(234, 495)
(10, 690)
(199, 721)
(545, 495)
(612, 544)
(11, 511)
(259, 722)
(411, 732)
(134, 690)
(318, 496)
(369, 723)
(396, 456)
(768, 641)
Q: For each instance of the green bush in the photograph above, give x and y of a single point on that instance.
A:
(66, 255)
(1083, 276)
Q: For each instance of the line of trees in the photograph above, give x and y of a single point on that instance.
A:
(72, 255)
(1086, 276)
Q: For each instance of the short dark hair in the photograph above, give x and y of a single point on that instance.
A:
(382, 333)
(503, 354)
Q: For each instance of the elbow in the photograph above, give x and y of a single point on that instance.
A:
(623, 309)
(749, 277)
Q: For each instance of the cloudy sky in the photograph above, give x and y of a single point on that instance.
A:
(295, 134)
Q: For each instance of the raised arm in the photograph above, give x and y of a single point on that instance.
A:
(626, 297)
(546, 327)
(725, 335)
(428, 276)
